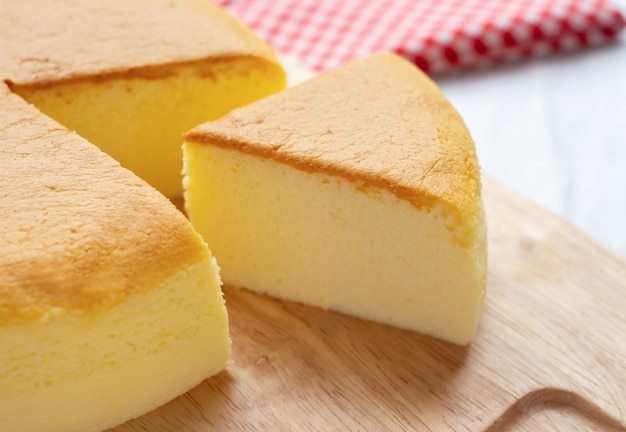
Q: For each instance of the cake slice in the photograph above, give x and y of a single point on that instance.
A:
(358, 191)
(132, 76)
(110, 302)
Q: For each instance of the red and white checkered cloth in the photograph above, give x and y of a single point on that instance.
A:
(437, 35)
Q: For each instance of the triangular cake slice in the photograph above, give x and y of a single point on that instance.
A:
(132, 76)
(358, 191)
(110, 302)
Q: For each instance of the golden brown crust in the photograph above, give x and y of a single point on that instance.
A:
(78, 231)
(44, 41)
(378, 121)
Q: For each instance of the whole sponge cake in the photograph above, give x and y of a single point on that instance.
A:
(358, 190)
(132, 76)
(110, 302)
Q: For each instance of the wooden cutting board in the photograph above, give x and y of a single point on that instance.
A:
(550, 353)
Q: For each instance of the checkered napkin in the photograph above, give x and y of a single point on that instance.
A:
(437, 35)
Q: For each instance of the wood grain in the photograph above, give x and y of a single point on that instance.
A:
(550, 353)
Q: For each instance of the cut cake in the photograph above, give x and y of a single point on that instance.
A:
(133, 76)
(358, 191)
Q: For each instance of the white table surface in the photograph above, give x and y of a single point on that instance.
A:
(554, 130)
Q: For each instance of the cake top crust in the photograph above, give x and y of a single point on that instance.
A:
(378, 121)
(44, 41)
(78, 231)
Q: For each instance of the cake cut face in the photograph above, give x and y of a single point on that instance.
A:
(110, 302)
(132, 77)
(358, 191)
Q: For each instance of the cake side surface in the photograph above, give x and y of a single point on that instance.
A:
(92, 370)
